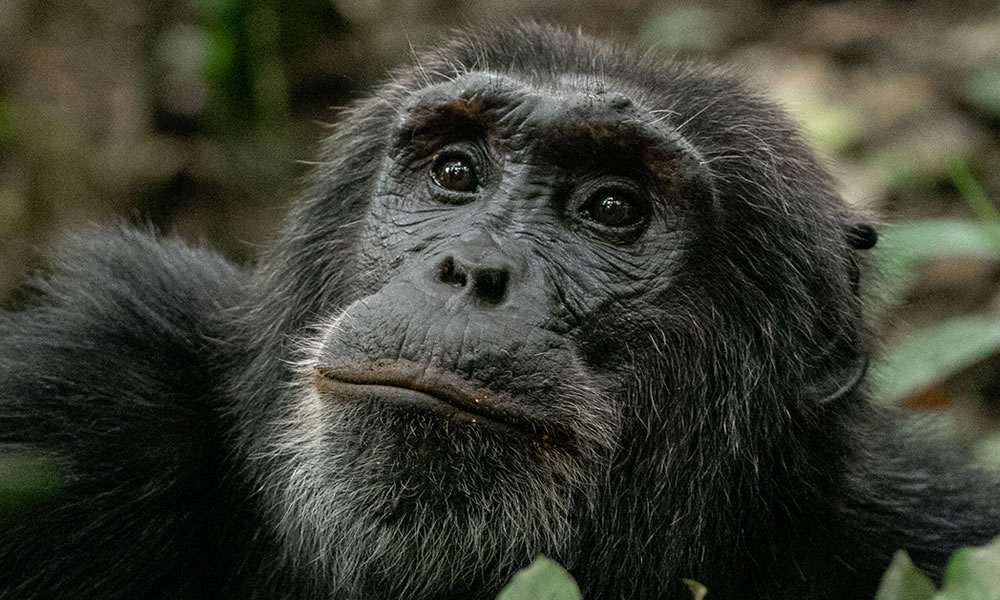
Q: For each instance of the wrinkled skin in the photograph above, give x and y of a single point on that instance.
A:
(542, 296)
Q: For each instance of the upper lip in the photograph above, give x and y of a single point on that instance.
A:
(447, 387)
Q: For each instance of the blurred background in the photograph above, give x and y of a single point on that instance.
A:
(197, 117)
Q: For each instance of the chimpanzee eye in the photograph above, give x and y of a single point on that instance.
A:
(455, 172)
(614, 208)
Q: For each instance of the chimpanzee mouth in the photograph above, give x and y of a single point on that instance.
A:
(409, 384)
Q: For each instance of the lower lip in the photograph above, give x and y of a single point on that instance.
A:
(405, 398)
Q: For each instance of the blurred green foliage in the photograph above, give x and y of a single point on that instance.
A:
(982, 90)
(8, 122)
(685, 29)
(13, 212)
(933, 354)
(28, 479)
(242, 61)
(944, 349)
(904, 248)
(971, 574)
(976, 199)
(831, 128)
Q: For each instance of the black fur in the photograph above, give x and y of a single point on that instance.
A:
(699, 414)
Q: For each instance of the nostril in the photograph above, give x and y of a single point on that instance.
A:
(451, 273)
(490, 285)
(482, 284)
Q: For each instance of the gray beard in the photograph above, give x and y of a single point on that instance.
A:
(376, 502)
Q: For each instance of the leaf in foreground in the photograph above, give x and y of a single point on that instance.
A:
(698, 591)
(543, 580)
(904, 581)
(28, 480)
(973, 574)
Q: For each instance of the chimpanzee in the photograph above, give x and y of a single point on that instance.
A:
(542, 296)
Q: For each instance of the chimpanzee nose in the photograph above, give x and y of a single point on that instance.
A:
(477, 267)
(484, 279)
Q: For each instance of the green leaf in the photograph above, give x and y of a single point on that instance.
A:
(974, 195)
(934, 354)
(903, 581)
(685, 29)
(902, 247)
(987, 451)
(14, 218)
(973, 574)
(937, 238)
(28, 479)
(543, 580)
(982, 90)
(9, 122)
(831, 128)
(698, 590)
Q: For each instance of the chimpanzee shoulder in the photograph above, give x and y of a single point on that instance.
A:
(107, 371)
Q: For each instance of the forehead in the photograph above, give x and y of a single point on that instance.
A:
(571, 115)
(477, 93)
(581, 123)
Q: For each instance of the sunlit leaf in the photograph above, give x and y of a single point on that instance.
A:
(903, 581)
(698, 590)
(987, 451)
(973, 574)
(543, 580)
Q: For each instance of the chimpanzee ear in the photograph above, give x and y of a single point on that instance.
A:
(861, 236)
(843, 384)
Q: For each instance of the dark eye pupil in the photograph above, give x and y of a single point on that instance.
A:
(455, 174)
(614, 210)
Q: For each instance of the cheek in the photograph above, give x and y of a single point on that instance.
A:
(397, 228)
(382, 246)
